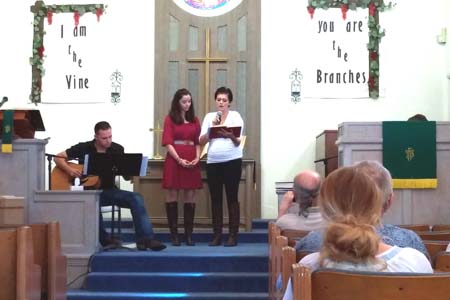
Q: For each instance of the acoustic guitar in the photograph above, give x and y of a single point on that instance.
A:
(60, 180)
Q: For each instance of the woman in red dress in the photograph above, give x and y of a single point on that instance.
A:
(181, 166)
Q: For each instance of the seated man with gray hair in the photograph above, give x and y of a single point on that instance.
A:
(298, 209)
(390, 234)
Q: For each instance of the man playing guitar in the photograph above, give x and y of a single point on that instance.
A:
(110, 194)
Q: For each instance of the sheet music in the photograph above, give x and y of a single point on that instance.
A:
(144, 163)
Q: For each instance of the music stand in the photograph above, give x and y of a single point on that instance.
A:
(107, 166)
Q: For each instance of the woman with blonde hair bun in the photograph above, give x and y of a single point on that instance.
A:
(351, 202)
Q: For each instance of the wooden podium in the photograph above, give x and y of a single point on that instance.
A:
(26, 123)
(326, 152)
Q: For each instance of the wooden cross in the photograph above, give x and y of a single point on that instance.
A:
(207, 59)
(157, 136)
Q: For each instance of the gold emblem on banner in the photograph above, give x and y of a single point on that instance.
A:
(7, 129)
(409, 153)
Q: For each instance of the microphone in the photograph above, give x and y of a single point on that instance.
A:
(219, 117)
(4, 100)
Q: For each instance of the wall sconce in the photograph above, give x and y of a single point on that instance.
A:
(296, 86)
(442, 38)
(116, 86)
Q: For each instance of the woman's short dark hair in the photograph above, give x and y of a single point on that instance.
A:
(226, 91)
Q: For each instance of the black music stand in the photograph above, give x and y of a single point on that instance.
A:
(107, 166)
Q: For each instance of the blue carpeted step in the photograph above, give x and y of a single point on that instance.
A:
(255, 236)
(127, 223)
(87, 295)
(260, 223)
(186, 282)
(192, 273)
(201, 258)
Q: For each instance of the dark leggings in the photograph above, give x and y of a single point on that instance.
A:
(225, 173)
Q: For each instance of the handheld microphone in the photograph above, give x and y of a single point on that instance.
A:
(4, 100)
(219, 116)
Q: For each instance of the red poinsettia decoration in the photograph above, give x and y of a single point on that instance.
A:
(41, 50)
(99, 12)
(311, 11)
(76, 17)
(372, 9)
(371, 83)
(344, 9)
(49, 17)
(373, 55)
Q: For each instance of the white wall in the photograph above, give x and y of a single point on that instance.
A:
(413, 75)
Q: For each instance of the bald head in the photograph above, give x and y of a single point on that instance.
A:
(306, 189)
(307, 179)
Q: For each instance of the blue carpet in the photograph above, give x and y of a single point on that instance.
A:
(198, 272)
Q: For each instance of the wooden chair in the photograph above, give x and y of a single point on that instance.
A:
(440, 227)
(20, 277)
(433, 248)
(416, 227)
(343, 285)
(48, 255)
(442, 262)
(434, 235)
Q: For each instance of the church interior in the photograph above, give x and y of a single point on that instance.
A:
(320, 85)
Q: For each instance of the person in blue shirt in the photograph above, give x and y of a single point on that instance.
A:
(390, 234)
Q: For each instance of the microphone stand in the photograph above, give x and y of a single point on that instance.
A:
(325, 162)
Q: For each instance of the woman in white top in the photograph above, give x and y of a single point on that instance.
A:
(351, 202)
(224, 164)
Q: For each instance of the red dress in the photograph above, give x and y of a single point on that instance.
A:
(175, 176)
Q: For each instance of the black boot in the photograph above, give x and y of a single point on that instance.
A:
(172, 221)
(234, 220)
(189, 212)
(217, 223)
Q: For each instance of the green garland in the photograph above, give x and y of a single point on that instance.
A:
(375, 31)
(41, 12)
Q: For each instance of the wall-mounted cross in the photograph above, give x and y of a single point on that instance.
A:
(207, 59)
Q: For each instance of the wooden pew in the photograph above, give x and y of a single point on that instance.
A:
(442, 262)
(343, 285)
(441, 227)
(273, 232)
(20, 277)
(281, 241)
(48, 255)
(294, 234)
(434, 235)
(433, 248)
(416, 227)
(288, 258)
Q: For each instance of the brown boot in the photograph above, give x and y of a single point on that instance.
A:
(217, 223)
(233, 219)
(172, 221)
(189, 212)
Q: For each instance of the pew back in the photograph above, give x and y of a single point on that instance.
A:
(48, 255)
(343, 285)
(20, 278)
(434, 236)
